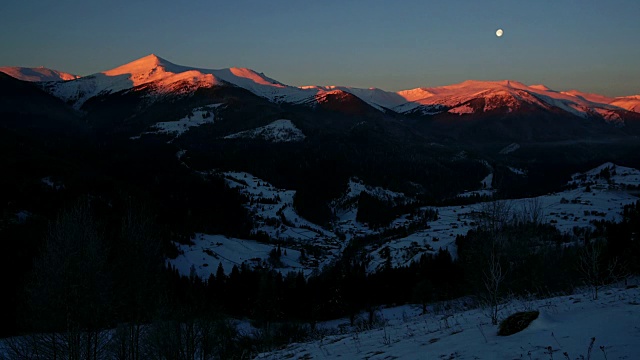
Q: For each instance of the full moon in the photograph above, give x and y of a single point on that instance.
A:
(499, 32)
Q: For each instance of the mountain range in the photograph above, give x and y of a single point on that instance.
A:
(432, 142)
(469, 97)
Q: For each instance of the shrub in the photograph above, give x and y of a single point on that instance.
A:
(517, 322)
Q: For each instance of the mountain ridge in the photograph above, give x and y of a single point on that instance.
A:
(165, 77)
(37, 74)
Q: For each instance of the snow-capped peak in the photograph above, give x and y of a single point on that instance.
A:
(511, 95)
(164, 76)
(540, 87)
(630, 103)
(148, 68)
(38, 74)
(152, 68)
(161, 76)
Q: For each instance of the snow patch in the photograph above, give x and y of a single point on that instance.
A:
(49, 182)
(345, 207)
(208, 251)
(487, 181)
(608, 176)
(609, 115)
(22, 216)
(630, 103)
(278, 131)
(566, 324)
(518, 171)
(198, 116)
(464, 109)
(509, 148)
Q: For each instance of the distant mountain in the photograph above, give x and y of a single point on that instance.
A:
(469, 97)
(37, 74)
(631, 103)
(472, 97)
(162, 77)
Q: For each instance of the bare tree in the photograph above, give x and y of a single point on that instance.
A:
(494, 215)
(532, 211)
(491, 248)
(596, 271)
(493, 278)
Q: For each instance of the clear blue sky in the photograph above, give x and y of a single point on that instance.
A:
(590, 45)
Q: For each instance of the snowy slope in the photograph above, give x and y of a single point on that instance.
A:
(609, 176)
(275, 216)
(511, 95)
(274, 213)
(156, 73)
(377, 98)
(198, 116)
(566, 324)
(38, 74)
(631, 103)
(509, 149)
(278, 131)
(346, 206)
(486, 184)
(565, 210)
(162, 76)
(208, 251)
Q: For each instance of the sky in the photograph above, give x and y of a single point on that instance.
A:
(589, 45)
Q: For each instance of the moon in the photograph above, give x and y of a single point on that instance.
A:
(499, 33)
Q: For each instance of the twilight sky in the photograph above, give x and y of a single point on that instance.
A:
(589, 45)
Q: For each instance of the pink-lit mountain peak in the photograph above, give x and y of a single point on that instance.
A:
(153, 68)
(455, 93)
(482, 84)
(631, 103)
(475, 88)
(143, 64)
(147, 69)
(37, 74)
(162, 76)
(487, 86)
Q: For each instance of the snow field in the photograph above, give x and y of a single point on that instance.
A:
(278, 131)
(565, 324)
